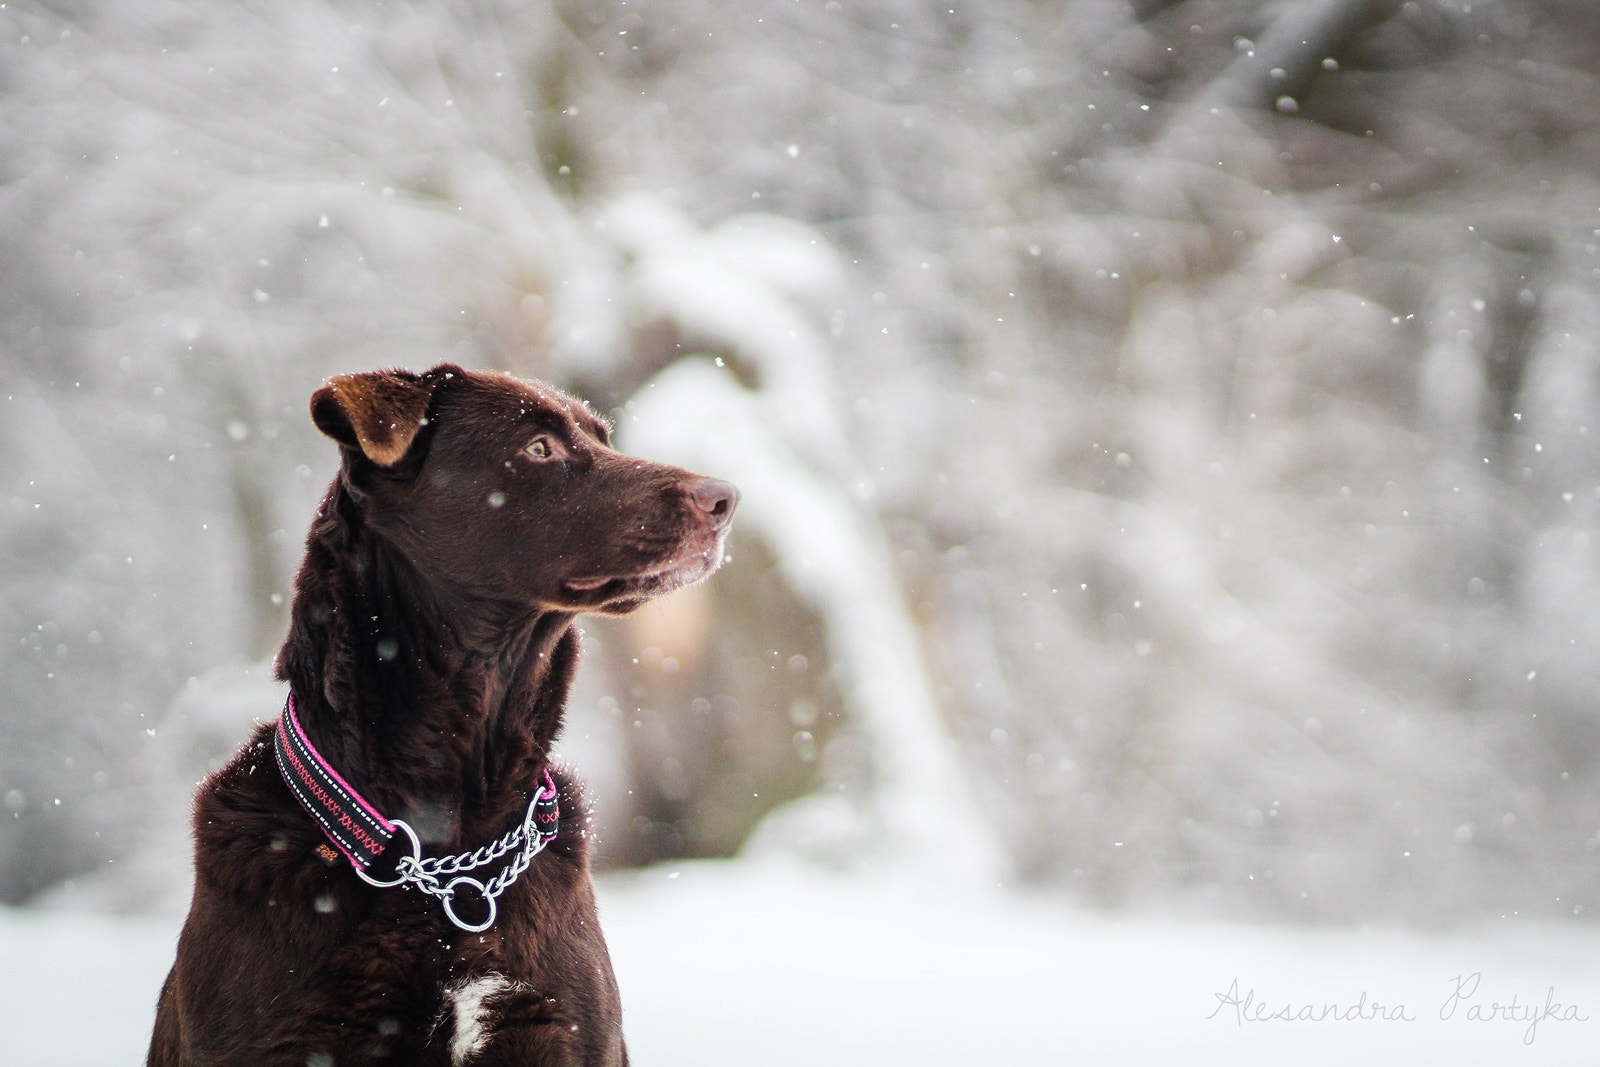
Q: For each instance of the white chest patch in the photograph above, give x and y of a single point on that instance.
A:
(469, 1003)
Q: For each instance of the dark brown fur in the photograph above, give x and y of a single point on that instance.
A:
(430, 652)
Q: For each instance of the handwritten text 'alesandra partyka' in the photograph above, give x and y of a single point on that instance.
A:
(1465, 999)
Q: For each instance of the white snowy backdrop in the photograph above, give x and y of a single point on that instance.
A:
(1164, 426)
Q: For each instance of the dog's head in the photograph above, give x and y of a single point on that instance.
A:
(509, 490)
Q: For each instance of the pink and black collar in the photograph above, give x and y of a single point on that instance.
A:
(352, 824)
(363, 835)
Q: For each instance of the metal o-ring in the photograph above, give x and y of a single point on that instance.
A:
(400, 873)
(449, 904)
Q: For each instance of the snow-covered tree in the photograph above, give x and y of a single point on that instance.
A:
(1209, 385)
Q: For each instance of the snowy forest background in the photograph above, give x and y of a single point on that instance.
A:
(1164, 426)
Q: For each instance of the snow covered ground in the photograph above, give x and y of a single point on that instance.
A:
(774, 964)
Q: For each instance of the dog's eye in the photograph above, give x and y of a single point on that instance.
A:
(539, 449)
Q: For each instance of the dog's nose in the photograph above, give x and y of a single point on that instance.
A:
(716, 499)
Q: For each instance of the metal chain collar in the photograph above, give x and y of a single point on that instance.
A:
(433, 875)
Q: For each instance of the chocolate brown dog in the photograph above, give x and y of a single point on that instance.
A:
(390, 875)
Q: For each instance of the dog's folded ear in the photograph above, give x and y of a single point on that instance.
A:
(378, 413)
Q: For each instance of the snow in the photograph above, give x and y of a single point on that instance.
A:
(695, 414)
(752, 285)
(779, 963)
(54, 965)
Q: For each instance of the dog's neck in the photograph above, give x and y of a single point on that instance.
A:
(441, 708)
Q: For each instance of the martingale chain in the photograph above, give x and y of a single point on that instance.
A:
(441, 877)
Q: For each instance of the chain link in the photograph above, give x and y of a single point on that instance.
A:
(433, 875)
